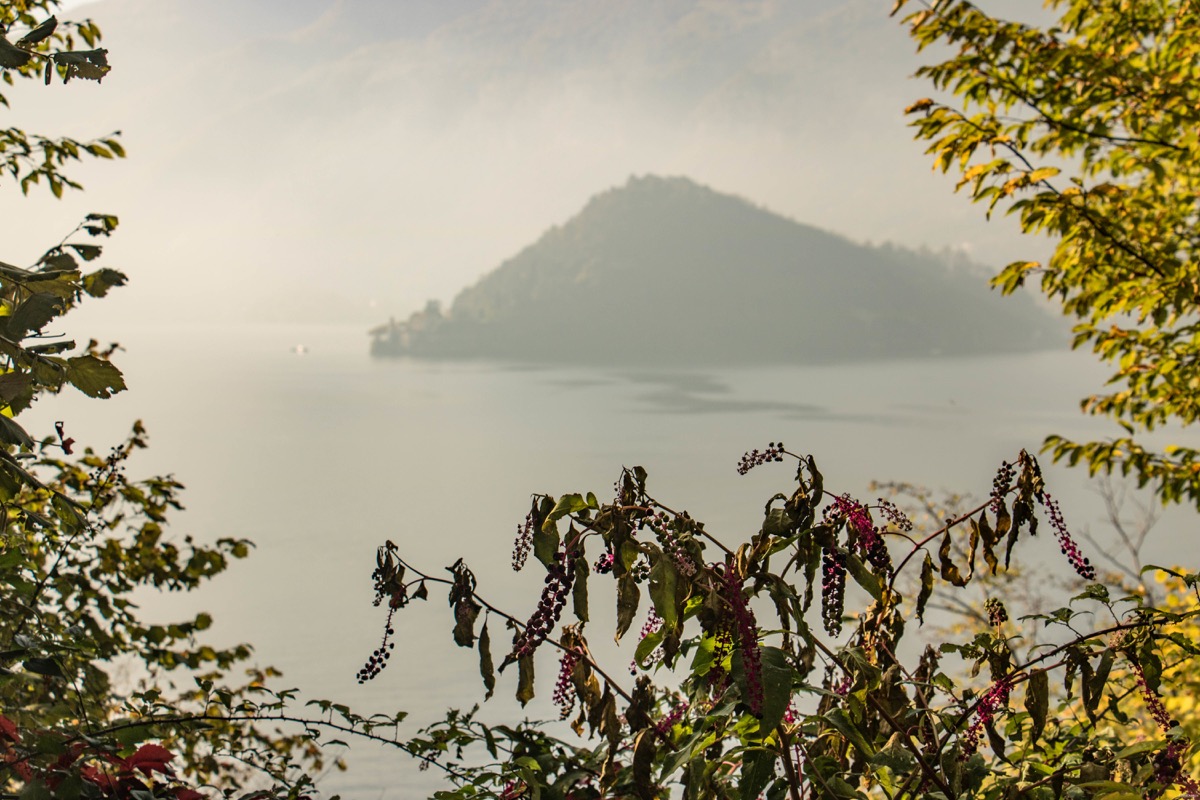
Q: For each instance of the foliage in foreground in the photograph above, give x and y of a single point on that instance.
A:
(753, 696)
(1088, 131)
(77, 538)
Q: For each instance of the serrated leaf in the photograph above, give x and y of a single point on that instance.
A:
(13, 385)
(98, 283)
(13, 434)
(33, 313)
(94, 377)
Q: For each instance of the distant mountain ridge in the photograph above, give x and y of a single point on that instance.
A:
(665, 271)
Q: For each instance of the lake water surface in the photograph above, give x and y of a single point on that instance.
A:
(320, 457)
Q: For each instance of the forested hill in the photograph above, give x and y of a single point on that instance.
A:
(664, 271)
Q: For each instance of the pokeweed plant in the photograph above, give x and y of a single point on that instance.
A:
(776, 667)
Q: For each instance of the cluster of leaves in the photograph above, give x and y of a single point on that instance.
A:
(43, 48)
(1088, 131)
(78, 539)
(755, 698)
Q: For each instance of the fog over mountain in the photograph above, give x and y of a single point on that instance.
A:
(663, 271)
(349, 159)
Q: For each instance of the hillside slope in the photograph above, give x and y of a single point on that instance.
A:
(664, 271)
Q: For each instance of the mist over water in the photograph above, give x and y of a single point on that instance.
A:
(319, 458)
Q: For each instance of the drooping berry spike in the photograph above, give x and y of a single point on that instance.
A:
(755, 458)
(1082, 566)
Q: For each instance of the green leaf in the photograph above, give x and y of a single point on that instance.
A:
(44, 666)
(644, 750)
(33, 790)
(864, 577)
(1037, 702)
(647, 645)
(94, 377)
(895, 757)
(12, 433)
(34, 313)
(948, 569)
(98, 283)
(845, 726)
(88, 252)
(465, 613)
(758, 768)
(777, 679)
(663, 591)
(628, 596)
(12, 57)
(579, 590)
(926, 587)
(1138, 748)
(39, 34)
(525, 679)
(486, 668)
(13, 385)
(567, 504)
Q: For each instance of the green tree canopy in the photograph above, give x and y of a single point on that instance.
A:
(1087, 129)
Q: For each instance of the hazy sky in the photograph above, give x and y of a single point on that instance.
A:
(350, 159)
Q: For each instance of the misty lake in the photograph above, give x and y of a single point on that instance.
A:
(319, 457)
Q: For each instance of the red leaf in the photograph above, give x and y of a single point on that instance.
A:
(150, 758)
(101, 779)
(188, 794)
(8, 729)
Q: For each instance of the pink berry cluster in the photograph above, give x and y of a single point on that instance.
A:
(604, 564)
(747, 638)
(833, 588)
(1001, 485)
(1082, 566)
(754, 458)
(722, 649)
(664, 725)
(564, 687)
(870, 542)
(559, 579)
(660, 524)
(652, 624)
(523, 543)
(994, 699)
(1168, 763)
